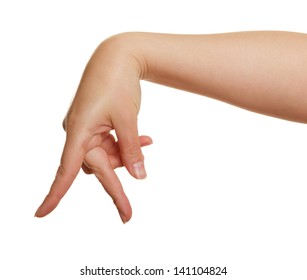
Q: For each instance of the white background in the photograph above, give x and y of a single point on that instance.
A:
(225, 187)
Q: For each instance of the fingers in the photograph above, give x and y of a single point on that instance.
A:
(98, 161)
(71, 162)
(114, 153)
(102, 164)
(129, 144)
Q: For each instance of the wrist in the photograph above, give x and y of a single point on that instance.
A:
(127, 51)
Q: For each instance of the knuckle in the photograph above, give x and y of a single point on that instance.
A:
(133, 152)
(67, 121)
(62, 172)
(68, 124)
(64, 124)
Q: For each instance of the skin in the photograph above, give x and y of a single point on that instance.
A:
(264, 72)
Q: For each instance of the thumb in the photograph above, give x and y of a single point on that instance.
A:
(71, 161)
(129, 144)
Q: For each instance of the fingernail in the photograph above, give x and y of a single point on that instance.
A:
(37, 212)
(139, 170)
(123, 217)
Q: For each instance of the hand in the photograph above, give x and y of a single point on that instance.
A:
(108, 98)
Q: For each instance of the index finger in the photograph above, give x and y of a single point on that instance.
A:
(71, 161)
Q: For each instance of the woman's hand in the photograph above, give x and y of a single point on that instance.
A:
(108, 98)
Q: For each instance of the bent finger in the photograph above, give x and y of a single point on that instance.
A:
(129, 144)
(116, 160)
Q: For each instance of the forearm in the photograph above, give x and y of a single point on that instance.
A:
(265, 72)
